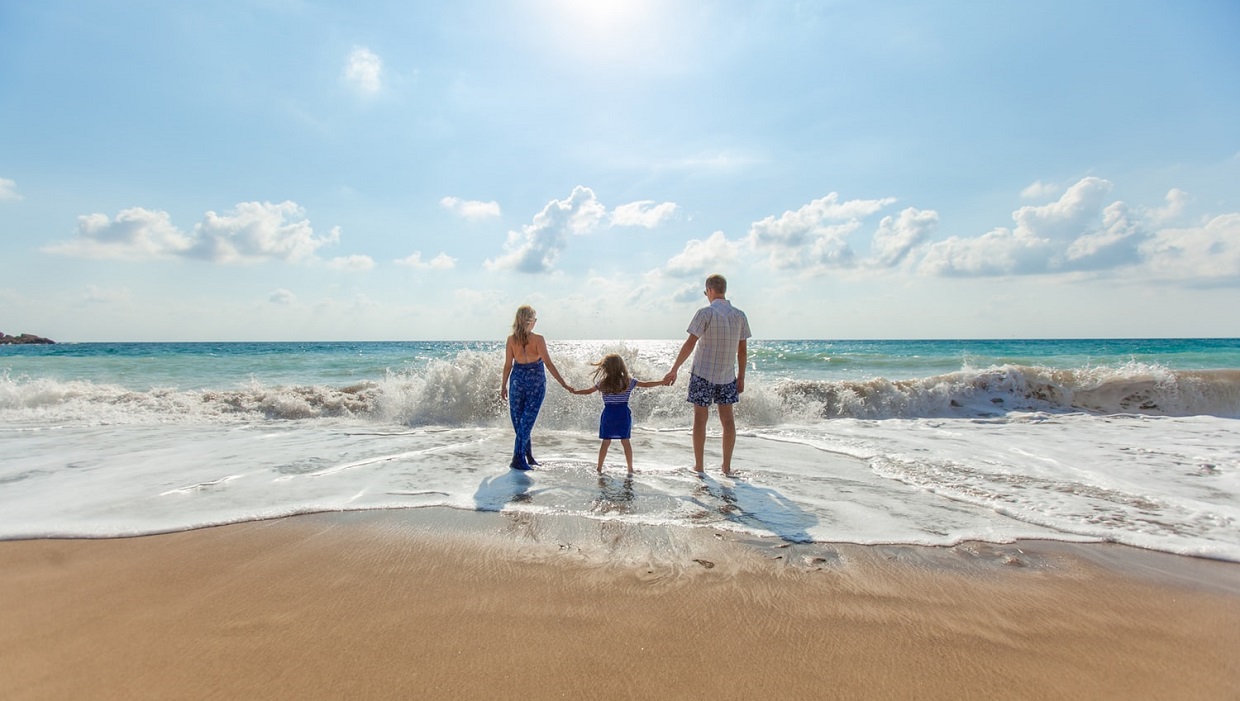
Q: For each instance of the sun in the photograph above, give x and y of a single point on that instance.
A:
(602, 16)
(602, 29)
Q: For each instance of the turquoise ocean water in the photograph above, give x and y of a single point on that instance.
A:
(920, 442)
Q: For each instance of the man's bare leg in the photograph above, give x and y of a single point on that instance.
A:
(728, 422)
(700, 414)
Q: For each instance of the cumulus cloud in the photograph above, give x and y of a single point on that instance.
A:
(1114, 244)
(1039, 241)
(536, 247)
(258, 231)
(1176, 202)
(703, 257)
(998, 252)
(814, 235)
(897, 236)
(363, 69)
(443, 261)
(644, 213)
(470, 209)
(8, 191)
(135, 234)
(253, 232)
(1208, 254)
(1083, 232)
(352, 264)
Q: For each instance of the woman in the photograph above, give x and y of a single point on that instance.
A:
(524, 383)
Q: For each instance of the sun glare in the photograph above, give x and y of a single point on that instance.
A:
(604, 29)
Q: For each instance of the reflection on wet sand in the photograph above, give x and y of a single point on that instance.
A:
(615, 495)
(756, 507)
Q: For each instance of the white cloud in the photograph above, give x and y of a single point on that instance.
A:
(897, 236)
(1176, 202)
(703, 257)
(364, 71)
(473, 210)
(135, 234)
(1113, 245)
(1070, 215)
(644, 213)
(688, 292)
(1082, 232)
(536, 247)
(8, 191)
(1041, 240)
(1040, 191)
(814, 235)
(253, 232)
(997, 252)
(282, 297)
(353, 264)
(443, 261)
(1208, 254)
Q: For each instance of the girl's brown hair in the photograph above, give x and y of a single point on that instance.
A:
(615, 374)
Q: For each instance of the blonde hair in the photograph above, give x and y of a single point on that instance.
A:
(520, 324)
(614, 372)
(718, 283)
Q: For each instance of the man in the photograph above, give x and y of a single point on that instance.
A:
(718, 332)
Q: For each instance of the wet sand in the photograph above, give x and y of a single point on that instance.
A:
(433, 603)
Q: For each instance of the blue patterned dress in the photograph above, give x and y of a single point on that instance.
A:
(527, 385)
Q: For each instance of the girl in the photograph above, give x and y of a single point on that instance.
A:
(524, 385)
(617, 419)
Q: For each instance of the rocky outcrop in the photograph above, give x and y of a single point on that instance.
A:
(24, 338)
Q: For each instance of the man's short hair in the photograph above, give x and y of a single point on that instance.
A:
(717, 283)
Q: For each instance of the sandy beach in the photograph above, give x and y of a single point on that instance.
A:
(433, 603)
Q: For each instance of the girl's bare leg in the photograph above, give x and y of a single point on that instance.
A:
(602, 453)
(628, 453)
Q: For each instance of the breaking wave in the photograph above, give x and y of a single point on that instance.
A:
(465, 391)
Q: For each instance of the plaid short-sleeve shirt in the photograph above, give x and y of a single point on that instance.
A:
(720, 328)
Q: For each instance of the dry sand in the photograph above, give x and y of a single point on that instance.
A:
(441, 604)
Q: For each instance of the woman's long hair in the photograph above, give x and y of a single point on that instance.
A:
(614, 372)
(520, 324)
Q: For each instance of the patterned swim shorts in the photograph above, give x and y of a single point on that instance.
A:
(705, 393)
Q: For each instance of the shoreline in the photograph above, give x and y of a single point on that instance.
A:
(437, 603)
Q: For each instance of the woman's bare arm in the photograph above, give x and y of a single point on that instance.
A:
(546, 358)
(508, 357)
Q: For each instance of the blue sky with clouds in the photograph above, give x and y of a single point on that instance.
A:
(288, 170)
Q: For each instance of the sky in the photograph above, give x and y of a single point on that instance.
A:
(298, 170)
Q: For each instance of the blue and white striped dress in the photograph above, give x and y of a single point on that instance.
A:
(617, 419)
